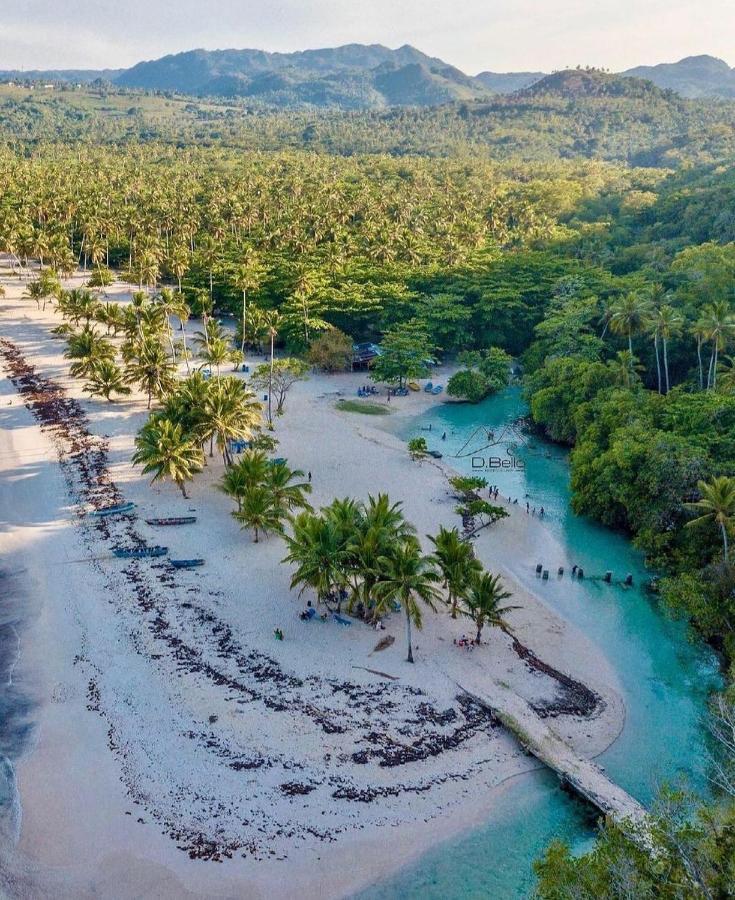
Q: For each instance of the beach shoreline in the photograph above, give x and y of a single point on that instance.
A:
(89, 654)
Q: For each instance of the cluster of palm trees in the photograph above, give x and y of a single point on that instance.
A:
(716, 505)
(369, 554)
(653, 314)
(267, 492)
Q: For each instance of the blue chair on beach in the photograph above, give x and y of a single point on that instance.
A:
(343, 620)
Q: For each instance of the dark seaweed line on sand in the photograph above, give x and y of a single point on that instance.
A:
(83, 459)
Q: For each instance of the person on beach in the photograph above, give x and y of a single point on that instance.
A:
(309, 476)
(541, 512)
(528, 506)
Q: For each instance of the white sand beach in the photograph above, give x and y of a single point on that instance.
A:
(180, 751)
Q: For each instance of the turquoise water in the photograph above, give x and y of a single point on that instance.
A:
(665, 676)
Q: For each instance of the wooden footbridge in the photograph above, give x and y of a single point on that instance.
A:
(582, 775)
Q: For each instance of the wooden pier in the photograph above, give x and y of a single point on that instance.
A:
(582, 775)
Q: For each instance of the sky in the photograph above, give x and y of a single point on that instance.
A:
(474, 35)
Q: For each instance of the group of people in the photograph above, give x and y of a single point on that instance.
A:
(366, 390)
(465, 642)
(532, 511)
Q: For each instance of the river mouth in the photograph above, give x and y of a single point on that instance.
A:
(665, 677)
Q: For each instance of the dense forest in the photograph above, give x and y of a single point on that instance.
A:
(568, 115)
(611, 284)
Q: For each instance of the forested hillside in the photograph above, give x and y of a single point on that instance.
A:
(566, 116)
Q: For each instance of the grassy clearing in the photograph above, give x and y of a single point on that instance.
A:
(364, 407)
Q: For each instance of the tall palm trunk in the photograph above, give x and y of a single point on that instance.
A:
(658, 361)
(244, 318)
(186, 352)
(666, 364)
(270, 385)
(701, 368)
(409, 658)
(724, 542)
(710, 370)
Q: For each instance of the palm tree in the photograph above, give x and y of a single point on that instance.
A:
(699, 332)
(456, 561)
(216, 353)
(106, 378)
(151, 370)
(259, 510)
(230, 412)
(164, 449)
(283, 484)
(317, 548)
(666, 323)
(248, 276)
(409, 578)
(483, 600)
(717, 503)
(625, 369)
(87, 348)
(271, 321)
(111, 316)
(719, 324)
(727, 376)
(629, 315)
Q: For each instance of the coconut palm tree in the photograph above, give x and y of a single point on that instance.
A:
(629, 315)
(165, 450)
(259, 510)
(666, 323)
(106, 378)
(151, 369)
(287, 490)
(270, 321)
(717, 503)
(625, 369)
(483, 599)
(726, 382)
(216, 353)
(230, 412)
(248, 276)
(111, 316)
(456, 561)
(86, 348)
(409, 578)
(318, 550)
(719, 325)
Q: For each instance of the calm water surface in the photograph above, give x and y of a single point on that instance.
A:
(665, 676)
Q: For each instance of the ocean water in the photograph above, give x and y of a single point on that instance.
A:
(666, 676)
(16, 710)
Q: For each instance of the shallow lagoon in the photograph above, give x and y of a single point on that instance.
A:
(665, 676)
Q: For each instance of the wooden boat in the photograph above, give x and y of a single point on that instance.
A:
(141, 553)
(172, 520)
(435, 453)
(186, 563)
(437, 389)
(414, 385)
(113, 510)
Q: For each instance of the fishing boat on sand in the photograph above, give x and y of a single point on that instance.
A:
(172, 520)
(113, 510)
(186, 563)
(414, 385)
(141, 552)
(437, 389)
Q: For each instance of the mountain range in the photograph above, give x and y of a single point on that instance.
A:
(359, 76)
